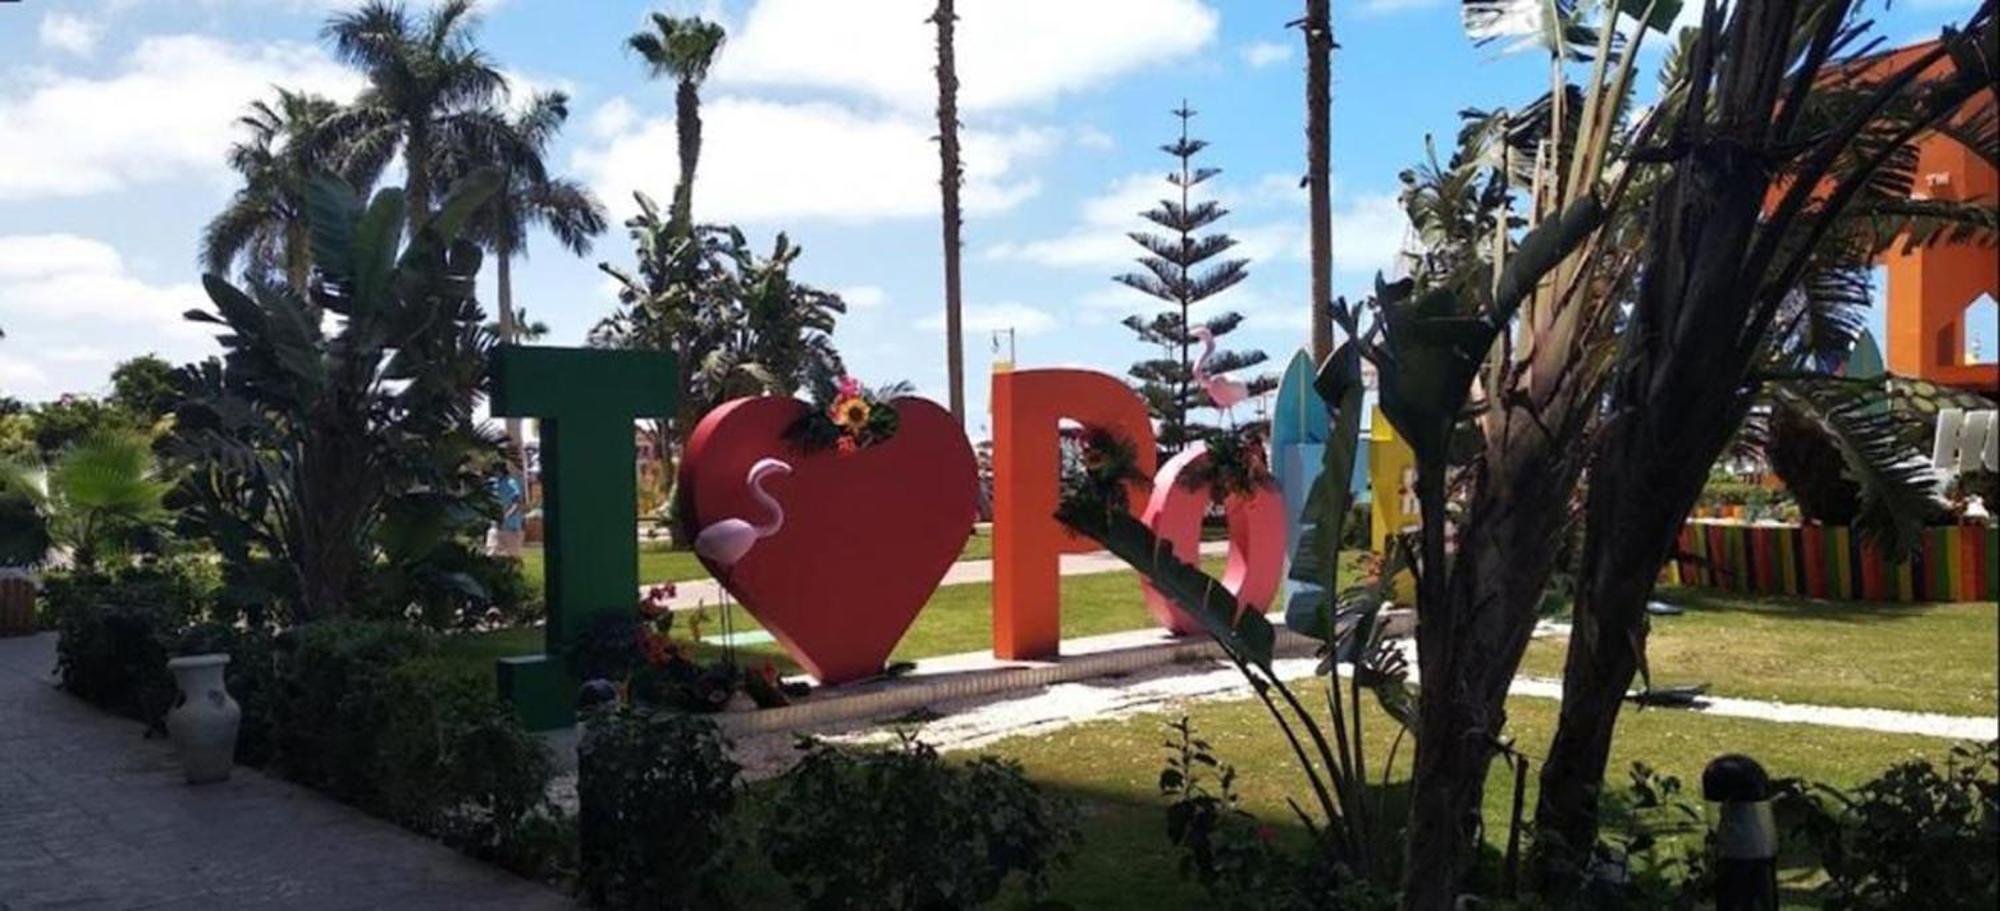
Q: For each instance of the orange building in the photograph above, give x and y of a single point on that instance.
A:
(1930, 288)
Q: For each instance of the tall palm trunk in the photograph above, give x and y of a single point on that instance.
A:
(504, 279)
(298, 256)
(687, 130)
(1318, 29)
(948, 183)
(417, 162)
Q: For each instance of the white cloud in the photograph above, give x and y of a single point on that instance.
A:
(1367, 232)
(71, 309)
(777, 161)
(1019, 317)
(1009, 52)
(1397, 6)
(169, 112)
(1266, 53)
(1090, 137)
(864, 297)
(70, 32)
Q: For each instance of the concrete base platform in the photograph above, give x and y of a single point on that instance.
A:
(969, 675)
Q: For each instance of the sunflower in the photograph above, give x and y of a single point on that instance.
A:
(850, 413)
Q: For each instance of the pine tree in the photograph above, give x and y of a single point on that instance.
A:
(1176, 273)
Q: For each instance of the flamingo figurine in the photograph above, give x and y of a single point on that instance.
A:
(1223, 391)
(727, 541)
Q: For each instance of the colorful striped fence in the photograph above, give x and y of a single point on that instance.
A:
(1954, 563)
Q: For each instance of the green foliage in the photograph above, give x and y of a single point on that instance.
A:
(748, 326)
(1175, 273)
(1237, 859)
(335, 704)
(117, 629)
(901, 828)
(144, 387)
(263, 226)
(460, 767)
(318, 458)
(106, 499)
(654, 792)
(1896, 485)
(1915, 836)
(24, 528)
(71, 419)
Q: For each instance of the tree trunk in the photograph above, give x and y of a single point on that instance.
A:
(298, 256)
(504, 279)
(948, 182)
(1640, 494)
(1318, 29)
(1472, 629)
(417, 192)
(687, 130)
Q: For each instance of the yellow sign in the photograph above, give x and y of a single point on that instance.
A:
(1392, 479)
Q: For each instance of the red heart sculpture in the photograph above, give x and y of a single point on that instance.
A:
(867, 535)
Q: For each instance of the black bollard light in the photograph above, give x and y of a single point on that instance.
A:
(1746, 838)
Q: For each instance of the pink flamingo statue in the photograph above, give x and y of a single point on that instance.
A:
(725, 542)
(1223, 391)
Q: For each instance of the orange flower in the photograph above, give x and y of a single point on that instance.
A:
(850, 413)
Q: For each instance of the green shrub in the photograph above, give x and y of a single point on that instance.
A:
(117, 629)
(1915, 837)
(368, 715)
(334, 702)
(1238, 859)
(904, 829)
(1356, 533)
(463, 769)
(655, 790)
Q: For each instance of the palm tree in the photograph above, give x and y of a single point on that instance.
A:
(1317, 26)
(528, 197)
(683, 48)
(103, 498)
(264, 223)
(953, 175)
(429, 88)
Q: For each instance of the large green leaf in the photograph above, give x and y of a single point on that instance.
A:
(332, 208)
(1245, 634)
(1898, 486)
(1317, 560)
(377, 237)
(1541, 250)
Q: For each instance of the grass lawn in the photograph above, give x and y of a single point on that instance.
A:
(1911, 657)
(1111, 770)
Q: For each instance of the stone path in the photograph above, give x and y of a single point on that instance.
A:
(695, 593)
(94, 816)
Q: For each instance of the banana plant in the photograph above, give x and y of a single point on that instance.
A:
(329, 456)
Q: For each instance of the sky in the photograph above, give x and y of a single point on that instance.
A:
(818, 122)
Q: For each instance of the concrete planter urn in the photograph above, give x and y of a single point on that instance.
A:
(203, 723)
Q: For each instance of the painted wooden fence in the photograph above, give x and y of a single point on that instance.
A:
(1955, 563)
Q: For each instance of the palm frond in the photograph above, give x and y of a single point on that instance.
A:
(1898, 485)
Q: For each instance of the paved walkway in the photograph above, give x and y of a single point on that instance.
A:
(94, 816)
(696, 593)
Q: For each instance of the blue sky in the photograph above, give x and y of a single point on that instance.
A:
(114, 115)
